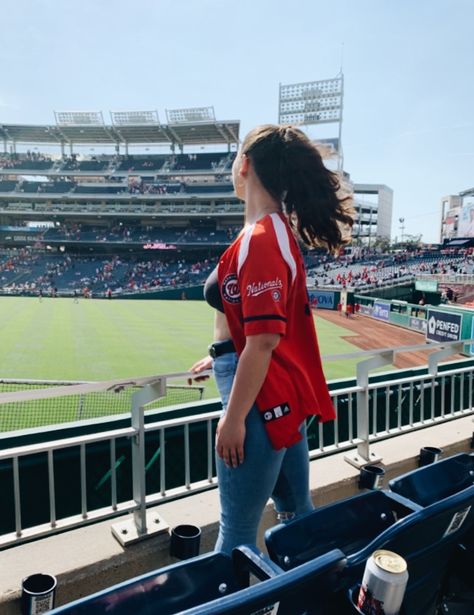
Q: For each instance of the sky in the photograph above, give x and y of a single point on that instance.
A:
(408, 75)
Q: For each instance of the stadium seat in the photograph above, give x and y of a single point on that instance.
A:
(426, 537)
(216, 584)
(437, 481)
(434, 483)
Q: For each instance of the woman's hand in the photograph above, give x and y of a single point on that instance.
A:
(230, 436)
(200, 366)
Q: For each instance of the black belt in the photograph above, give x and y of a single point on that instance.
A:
(219, 348)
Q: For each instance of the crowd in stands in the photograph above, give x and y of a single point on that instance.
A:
(119, 163)
(121, 232)
(30, 160)
(347, 272)
(64, 185)
(30, 272)
(27, 270)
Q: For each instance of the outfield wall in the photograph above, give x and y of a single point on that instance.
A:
(417, 318)
(182, 292)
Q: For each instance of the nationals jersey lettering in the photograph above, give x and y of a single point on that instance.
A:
(257, 288)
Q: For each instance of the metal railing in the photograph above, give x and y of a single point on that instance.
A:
(367, 411)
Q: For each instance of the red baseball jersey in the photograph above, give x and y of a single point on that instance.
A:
(262, 281)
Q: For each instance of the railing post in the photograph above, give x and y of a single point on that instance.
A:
(137, 528)
(363, 456)
(447, 350)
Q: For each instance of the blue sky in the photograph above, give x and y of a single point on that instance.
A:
(408, 67)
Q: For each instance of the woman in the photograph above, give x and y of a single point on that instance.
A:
(266, 358)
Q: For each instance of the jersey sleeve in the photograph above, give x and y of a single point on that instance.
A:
(264, 280)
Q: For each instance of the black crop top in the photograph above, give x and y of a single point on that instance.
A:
(212, 293)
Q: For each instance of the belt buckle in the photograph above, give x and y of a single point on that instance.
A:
(212, 351)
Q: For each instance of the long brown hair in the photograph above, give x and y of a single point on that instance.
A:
(291, 169)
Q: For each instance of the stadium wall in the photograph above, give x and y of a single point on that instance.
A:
(192, 293)
(414, 316)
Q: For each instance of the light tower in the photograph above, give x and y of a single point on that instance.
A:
(315, 102)
(402, 228)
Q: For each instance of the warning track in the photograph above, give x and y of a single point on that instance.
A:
(371, 333)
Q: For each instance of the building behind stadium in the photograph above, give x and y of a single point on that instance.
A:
(457, 219)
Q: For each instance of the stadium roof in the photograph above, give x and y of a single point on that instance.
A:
(181, 134)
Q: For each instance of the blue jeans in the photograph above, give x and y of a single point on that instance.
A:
(244, 491)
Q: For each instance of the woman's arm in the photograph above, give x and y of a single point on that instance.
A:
(251, 371)
(221, 333)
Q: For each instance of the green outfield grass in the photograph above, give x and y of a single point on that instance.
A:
(57, 339)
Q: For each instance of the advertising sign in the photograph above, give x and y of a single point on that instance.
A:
(158, 245)
(443, 326)
(418, 324)
(429, 286)
(321, 299)
(381, 310)
(366, 310)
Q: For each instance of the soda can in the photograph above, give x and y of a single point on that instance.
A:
(383, 585)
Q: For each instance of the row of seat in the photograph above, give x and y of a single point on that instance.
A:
(317, 560)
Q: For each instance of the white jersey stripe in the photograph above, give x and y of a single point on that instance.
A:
(244, 247)
(284, 244)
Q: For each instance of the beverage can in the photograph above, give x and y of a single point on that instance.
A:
(383, 585)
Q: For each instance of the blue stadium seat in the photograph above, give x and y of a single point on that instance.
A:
(426, 537)
(216, 584)
(437, 481)
(434, 483)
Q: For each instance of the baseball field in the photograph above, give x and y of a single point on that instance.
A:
(60, 339)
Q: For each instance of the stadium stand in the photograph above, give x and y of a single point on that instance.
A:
(157, 217)
(121, 222)
(142, 163)
(7, 186)
(132, 224)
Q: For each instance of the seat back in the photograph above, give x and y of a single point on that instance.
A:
(212, 584)
(428, 541)
(348, 525)
(437, 481)
(307, 589)
(426, 538)
(166, 591)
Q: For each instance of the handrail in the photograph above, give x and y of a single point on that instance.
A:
(118, 384)
(151, 388)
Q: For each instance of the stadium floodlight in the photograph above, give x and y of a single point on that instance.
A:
(312, 102)
(132, 118)
(192, 114)
(79, 118)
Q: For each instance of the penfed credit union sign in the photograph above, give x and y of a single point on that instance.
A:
(443, 326)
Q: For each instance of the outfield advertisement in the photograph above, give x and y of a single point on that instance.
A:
(381, 310)
(418, 324)
(321, 299)
(443, 326)
(366, 310)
